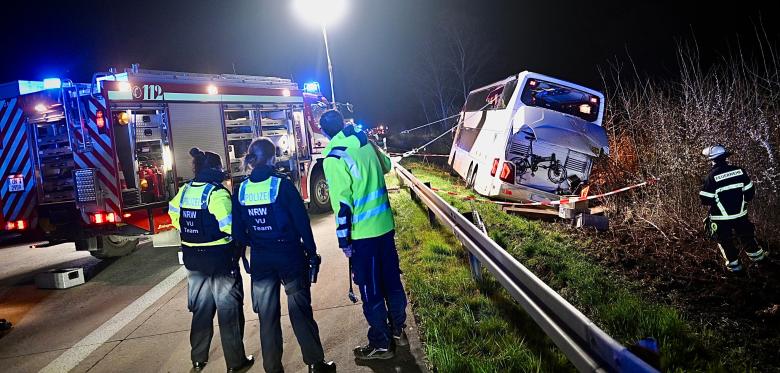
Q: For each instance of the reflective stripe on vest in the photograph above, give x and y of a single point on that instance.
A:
(262, 193)
(227, 220)
(371, 213)
(195, 203)
(351, 165)
(723, 213)
(370, 197)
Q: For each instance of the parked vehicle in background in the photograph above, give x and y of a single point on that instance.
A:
(97, 163)
(529, 137)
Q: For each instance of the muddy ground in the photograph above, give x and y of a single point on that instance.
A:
(744, 310)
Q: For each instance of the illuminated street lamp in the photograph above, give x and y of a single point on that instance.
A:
(322, 12)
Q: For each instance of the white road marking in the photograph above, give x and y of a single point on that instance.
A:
(74, 355)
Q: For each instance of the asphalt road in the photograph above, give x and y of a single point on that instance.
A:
(131, 314)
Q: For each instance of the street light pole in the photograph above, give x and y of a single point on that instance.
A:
(330, 65)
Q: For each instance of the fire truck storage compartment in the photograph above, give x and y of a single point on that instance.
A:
(244, 124)
(194, 126)
(55, 157)
(241, 126)
(277, 126)
(141, 145)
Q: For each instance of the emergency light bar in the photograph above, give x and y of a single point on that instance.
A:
(311, 87)
(52, 83)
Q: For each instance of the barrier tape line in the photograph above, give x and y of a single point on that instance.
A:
(548, 202)
(419, 155)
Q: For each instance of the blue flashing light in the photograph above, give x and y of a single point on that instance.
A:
(359, 127)
(52, 83)
(311, 87)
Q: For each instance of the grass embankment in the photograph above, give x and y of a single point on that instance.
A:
(467, 327)
(478, 328)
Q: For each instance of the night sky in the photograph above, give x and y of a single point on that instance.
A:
(376, 48)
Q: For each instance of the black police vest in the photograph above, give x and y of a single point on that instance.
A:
(266, 220)
(198, 225)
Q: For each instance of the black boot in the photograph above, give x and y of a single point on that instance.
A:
(369, 352)
(244, 366)
(322, 367)
(198, 365)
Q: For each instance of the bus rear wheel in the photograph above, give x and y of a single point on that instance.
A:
(111, 246)
(318, 193)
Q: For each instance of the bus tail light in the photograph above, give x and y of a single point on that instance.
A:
(494, 169)
(507, 173)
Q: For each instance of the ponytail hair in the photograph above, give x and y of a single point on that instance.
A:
(260, 152)
(204, 160)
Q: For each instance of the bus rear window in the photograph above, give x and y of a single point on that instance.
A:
(561, 98)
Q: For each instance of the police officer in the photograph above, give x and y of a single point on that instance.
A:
(727, 190)
(201, 211)
(271, 218)
(355, 172)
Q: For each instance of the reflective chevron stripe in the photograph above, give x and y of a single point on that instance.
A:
(101, 154)
(16, 160)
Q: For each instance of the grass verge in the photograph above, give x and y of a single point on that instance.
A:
(467, 327)
(458, 338)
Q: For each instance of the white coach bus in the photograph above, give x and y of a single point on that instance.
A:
(529, 137)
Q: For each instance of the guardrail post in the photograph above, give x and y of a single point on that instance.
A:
(474, 264)
(431, 215)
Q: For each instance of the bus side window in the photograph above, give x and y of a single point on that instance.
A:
(509, 90)
(477, 101)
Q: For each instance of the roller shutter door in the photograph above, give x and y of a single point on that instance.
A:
(195, 125)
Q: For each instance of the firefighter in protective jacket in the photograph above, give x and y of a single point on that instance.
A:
(355, 171)
(727, 190)
(271, 218)
(202, 212)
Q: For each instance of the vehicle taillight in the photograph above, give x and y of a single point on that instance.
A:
(507, 172)
(99, 120)
(16, 225)
(494, 169)
(102, 218)
(98, 218)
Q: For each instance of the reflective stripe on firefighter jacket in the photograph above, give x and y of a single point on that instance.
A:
(259, 212)
(202, 212)
(356, 184)
(727, 189)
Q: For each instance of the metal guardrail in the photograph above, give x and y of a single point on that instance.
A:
(588, 347)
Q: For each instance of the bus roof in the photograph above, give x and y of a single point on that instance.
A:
(530, 74)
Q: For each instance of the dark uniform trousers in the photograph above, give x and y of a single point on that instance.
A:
(742, 228)
(378, 275)
(222, 294)
(266, 283)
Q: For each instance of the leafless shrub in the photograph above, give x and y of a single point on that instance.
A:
(657, 129)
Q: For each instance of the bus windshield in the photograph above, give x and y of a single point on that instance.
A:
(561, 98)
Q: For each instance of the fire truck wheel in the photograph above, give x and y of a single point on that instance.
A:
(113, 246)
(320, 198)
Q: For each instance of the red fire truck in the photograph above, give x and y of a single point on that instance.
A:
(96, 163)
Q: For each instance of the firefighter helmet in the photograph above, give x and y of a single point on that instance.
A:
(715, 152)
